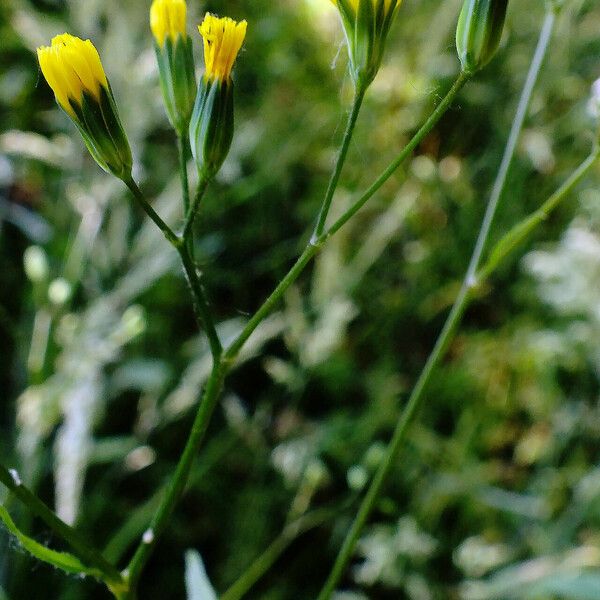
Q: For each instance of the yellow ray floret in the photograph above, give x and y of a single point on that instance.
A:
(223, 39)
(72, 66)
(167, 19)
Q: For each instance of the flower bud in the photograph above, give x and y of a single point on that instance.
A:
(211, 126)
(479, 32)
(366, 25)
(73, 70)
(175, 60)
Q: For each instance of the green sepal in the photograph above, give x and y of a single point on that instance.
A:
(211, 125)
(479, 31)
(177, 80)
(99, 124)
(366, 32)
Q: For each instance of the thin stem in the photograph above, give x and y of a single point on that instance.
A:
(268, 558)
(200, 302)
(521, 231)
(452, 322)
(316, 243)
(268, 305)
(80, 546)
(182, 148)
(222, 364)
(178, 482)
(171, 236)
(431, 122)
(359, 94)
(191, 213)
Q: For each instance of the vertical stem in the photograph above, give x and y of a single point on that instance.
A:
(451, 325)
(192, 210)
(359, 94)
(182, 148)
(200, 302)
(177, 484)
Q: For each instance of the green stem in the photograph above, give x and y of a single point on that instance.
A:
(316, 243)
(182, 148)
(232, 351)
(171, 236)
(453, 321)
(423, 132)
(268, 558)
(177, 484)
(223, 364)
(191, 213)
(359, 94)
(521, 231)
(200, 302)
(80, 546)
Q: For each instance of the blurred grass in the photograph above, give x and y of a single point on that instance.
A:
(497, 494)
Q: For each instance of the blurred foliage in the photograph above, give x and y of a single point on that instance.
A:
(497, 494)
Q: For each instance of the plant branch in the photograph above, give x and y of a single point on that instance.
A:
(80, 546)
(423, 132)
(182, 149)
(223, 362)
(178, 482)
(316, 243)
(192, 211)
(359, 94)
(200, 302)
(267, 559)
(171, 236)
(453, 321)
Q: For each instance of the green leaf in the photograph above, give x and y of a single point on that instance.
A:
(197, 583)
(62, 560)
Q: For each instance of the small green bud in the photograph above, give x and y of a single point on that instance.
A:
(366, 25)
(211, 127)
(177, 80)
(479, 32)
(175, 60)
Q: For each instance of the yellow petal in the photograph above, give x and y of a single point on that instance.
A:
(223, 38)
(167, 19)
(72, 66)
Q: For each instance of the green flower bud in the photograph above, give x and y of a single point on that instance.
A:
(175, 61)
(211, 127)
(366, 25)
(479, 31)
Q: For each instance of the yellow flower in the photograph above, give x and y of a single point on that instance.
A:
(366, 25)
(71, 67)
(223, 39)
(167, 19)
(73, 70)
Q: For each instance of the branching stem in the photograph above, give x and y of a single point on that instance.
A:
(452, 323)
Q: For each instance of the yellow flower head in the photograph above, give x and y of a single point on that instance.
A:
(71, 67)
(167, 19)
(223, 39)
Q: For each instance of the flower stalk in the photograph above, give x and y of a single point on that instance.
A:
(453, 321)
